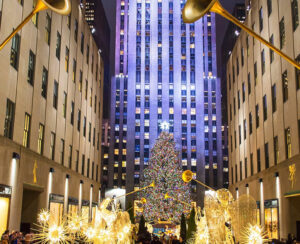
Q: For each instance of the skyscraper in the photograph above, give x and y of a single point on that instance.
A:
(165, 71)
(94, 15)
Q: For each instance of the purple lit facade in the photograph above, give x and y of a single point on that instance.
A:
(165, 70)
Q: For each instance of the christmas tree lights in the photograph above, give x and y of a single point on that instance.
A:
(165, 170)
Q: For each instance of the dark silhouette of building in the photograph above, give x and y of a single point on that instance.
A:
(229, 40)
(96, 19)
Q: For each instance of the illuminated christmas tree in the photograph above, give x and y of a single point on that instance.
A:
(165, 170)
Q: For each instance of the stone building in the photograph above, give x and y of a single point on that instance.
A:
(50, 117)
(165, 74)
(264, 116)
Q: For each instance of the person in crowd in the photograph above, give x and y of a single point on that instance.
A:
(155, 240)
(290, 239)
(5, 237)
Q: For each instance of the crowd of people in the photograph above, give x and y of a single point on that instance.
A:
(163, 239)
(15, 237)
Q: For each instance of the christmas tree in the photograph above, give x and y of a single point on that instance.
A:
(165, 170)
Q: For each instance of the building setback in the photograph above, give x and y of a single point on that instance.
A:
(263, 115)
(51, 100)
(165, 70)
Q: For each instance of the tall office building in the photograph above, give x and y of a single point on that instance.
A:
(50, 117)
(165, 71)
(231, 35)
(264, 116)
(95, 16)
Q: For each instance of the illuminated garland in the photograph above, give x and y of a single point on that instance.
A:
(165, 170)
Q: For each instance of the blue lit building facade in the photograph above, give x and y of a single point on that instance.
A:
(165, 70)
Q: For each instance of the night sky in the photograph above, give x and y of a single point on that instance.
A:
(109, 6)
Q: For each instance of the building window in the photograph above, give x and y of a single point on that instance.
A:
(15, 51)
(258, 160)
(90, 132)
(282, 32)
(257, 115)
(41, 139)
(245, 129)
(76, 30)
(44, 82)
(295, 15)
(58, 45)
(82, 164)
(77, 161)
(88, 168)
(35, 18)
(251, 164)
(269, 3)
(241, 170)
(249, 83)
(84, 126)
(285, 88)
(274, 103)
(55, 94)
(263, 62)
(276, 150)
(255, 73)
(235, 138)
(52, 145)
(246, 168)
(69, 21)
(65, 105)
(243, 91)
(26, 133)
(74, 70)
(31, 68)
(271, 51)
(72, 113)
(94, 137)
(48, 29)
(242, 56)
(267, 163)
(78, 120)
(261, 22)
(82, 42)
(62, 151)
(288, 143)
(86, 89)
(265, 108)
(250, 123)
(80, 81)
(9, 119)
(239, 100)
(67, 56)
(240, 135)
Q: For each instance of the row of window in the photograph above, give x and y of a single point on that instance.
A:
(8, 132)
(244, 167)
(285, 93)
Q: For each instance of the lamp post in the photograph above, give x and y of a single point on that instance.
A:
(14, 170)
(66, 196)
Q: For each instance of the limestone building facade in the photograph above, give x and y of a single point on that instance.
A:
(50, 117)
(264, 116)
